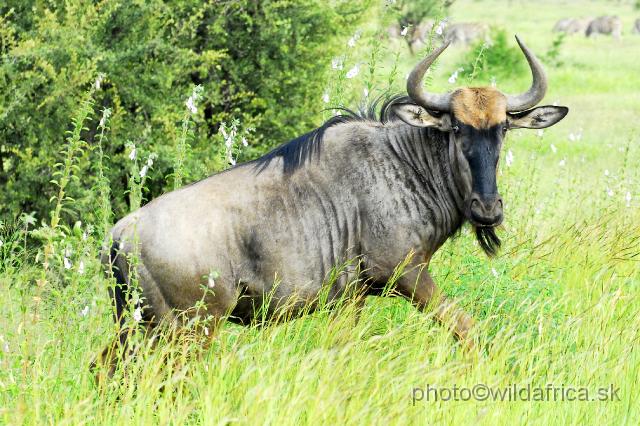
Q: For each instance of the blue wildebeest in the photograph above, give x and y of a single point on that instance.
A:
(466, 32)
(572, 26)
(355, 188)
(610, 25)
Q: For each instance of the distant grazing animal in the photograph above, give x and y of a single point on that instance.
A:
(562, 25)
(263, 236)
(421, 35)
(610, 25)
(572, 26)
(466, 32)
(416, 36)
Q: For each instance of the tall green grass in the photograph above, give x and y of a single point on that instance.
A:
(560, 305)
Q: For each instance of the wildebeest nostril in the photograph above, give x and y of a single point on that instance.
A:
(498, 203)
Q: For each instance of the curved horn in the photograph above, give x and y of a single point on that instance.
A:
(531, 97)
(414, 85)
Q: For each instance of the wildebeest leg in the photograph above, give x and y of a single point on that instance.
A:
(116, 266)
(418, 287)
(104, 365)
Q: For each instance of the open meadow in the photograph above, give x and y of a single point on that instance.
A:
(557, 308)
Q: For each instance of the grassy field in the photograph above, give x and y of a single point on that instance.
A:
(559, 307)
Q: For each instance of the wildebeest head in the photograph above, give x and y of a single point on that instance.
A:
(477, 120)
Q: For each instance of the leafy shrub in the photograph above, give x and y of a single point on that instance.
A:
(496, 59)
(258, 62)
(413, 12)
(552, 56)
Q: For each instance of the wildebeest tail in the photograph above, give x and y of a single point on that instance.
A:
(119, 294)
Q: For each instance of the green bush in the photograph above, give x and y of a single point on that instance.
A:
(553, 54)
(261, 64)
(496, 59)
(413, 12)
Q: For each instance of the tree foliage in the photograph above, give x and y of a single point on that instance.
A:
(260, 63)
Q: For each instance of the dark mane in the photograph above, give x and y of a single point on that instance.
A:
(302, 149)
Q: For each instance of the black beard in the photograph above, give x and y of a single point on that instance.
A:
(488, 239)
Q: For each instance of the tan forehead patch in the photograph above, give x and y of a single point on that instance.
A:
(480, 107)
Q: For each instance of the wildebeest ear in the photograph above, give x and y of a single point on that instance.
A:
(417, 116)
(537, 118)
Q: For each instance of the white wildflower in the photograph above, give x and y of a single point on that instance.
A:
(553, 148)
(137, 314)
(494, 272)
(106, 113)
(336, 63)
(453, 77)
(572, 137)
(610, 192)
(353, 71)
(151, 159)
(193, 99)
(509, 158)
(144, 170)
(5, 344)
(244, 141)
(365, 91)
(67, 263)
(28, 219)
(133, 153)
(325, 97)
(627, 198)
(352, 40)
(206, 331)
(606, 172)
(440, 27)
(562, 163)
(404, 31)
(98, 81)
(229, 135)
(191, 106)
(81, 267)
(540, 133)
(85, 235)
(211, 280)
(84, 311)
